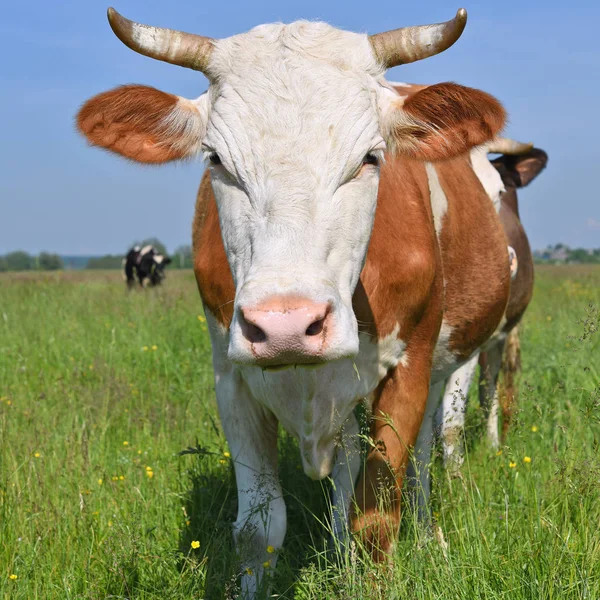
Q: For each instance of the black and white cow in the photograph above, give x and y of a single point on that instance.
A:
(146, 264)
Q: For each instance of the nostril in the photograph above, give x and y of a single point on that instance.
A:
(315, 328)
(253, 333)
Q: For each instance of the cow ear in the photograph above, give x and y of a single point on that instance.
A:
(143, 124)
(442, 121)
(522, 168)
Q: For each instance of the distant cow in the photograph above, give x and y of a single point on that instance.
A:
(146, 264)
(518, 165)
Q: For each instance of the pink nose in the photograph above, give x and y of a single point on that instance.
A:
(286, 330)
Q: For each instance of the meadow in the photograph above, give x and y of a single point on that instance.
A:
(102, 390)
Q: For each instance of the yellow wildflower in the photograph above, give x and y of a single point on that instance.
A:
(249, 571)
(145, 348)
(499, 453)
(8, 402)
(150, 474)
(195, 545)
(154, 347)
(267, 564)
(125, 443)
(223, 461)
(37, 454)
(512, 465)
(226, 455)
(270, 549)
(548, 318)
(188, 522)
(148, 468)
(121, 477)
(201, 319)
(100, 481)
(110, 523)
(13, 577)
(527, 459)
(91, 367)
(534, 428)
(139, 451)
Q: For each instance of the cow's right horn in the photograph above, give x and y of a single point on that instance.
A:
(502, 145)
(175, 47)
(409, 44)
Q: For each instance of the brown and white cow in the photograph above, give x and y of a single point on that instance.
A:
(517, 167)
(344, 248)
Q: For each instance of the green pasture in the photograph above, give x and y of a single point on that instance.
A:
(101, 390)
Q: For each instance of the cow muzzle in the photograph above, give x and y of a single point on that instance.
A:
(286, 330)
(281, 331)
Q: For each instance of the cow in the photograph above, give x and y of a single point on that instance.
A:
(518, 165)
(344, 250)
(147, 264)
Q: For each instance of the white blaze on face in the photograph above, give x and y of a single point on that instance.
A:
(487, 174)
(293, 113)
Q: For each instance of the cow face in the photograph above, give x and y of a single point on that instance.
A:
(293, 128)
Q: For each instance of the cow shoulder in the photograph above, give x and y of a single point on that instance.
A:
(475, 259)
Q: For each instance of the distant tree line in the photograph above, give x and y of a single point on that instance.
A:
(45, 261)
(560, 253)
(22, 261)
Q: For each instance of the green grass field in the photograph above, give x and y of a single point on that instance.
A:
(100, 391)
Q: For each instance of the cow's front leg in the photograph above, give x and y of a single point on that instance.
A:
(251, 432)
(453, 409)
(399, 406)
(491, 362)
(419, 468)
(344, 474)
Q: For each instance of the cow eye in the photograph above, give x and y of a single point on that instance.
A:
(371, 159)
(214, 158)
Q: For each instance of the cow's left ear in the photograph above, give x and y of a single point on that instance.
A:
(522, 168)
(167, 261)
(442, 121)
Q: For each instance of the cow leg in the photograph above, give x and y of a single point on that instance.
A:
(251, 432)
(490, 362)
(400, 403)
(419, 468)
(344, 474)
(454, 406)
(511, 365)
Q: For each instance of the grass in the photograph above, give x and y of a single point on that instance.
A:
(100, 391)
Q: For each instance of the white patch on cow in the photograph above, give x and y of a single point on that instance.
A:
(454, 406)
(439, 201)
(158, 259)
(444, 361)
(145, 250)
(488, 175)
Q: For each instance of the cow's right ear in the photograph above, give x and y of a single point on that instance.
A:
(144, 124)
(522, 168)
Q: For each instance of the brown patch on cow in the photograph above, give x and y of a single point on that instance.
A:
(445, 120)
(211, 267)
(475, 258)
(130, 121)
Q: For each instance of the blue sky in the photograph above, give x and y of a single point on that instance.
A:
(541, 59)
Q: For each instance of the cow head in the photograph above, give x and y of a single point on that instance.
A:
(293, 128)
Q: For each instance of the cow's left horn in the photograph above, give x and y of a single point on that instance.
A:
(502, 145)
(175, 47)
(409, 44)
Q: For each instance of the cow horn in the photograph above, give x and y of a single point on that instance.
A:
(409, 44)
(502, 145)
(175, 47)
